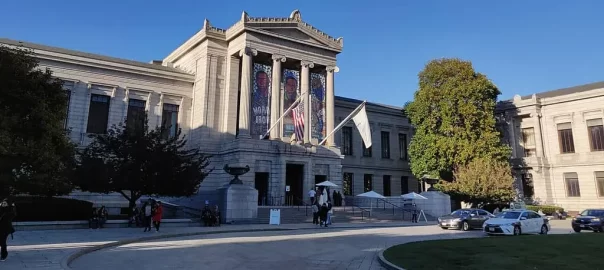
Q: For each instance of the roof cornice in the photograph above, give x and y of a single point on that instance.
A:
(206, 32)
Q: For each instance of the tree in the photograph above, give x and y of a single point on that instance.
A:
(481, 182)
(453, 114)
(135, 161)
(36, 156)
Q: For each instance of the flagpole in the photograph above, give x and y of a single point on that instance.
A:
(291, 107)
(344, 122)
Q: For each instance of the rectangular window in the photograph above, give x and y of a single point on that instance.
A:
(402, 146)
(565, 138)
(367, 152)
(528, 141)
(600, 183)
(169, 120)
(98, 114)
(136, 114)
(347, 183)
(347, 141)
(68, 92)
(572, 185)
(404, 185)
(385, 144)
(595, 130)
(367, 182)
(386, 184)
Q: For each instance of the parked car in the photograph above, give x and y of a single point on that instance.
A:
(516, 222)
(590, 219)
(464, 219)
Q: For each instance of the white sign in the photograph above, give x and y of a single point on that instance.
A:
(275, 217)
(287, 188)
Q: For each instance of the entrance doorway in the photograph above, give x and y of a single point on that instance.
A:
(261, 184)
(320, 178)
(294, 179)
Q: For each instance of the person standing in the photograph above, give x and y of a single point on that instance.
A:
(147, 209)
(315, 214)
(7, 214)
(311, 194)
(103, 216)
(159, 210)
(329, 212)
(414, 216)
(323, 214)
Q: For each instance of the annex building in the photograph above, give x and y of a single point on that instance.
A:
(225, 88)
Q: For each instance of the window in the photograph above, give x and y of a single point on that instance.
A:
(572, 185)
(347, 183)
(68, 92)
(525, 215)
(169, 120)
(386, 184)
(385, 144)
(404, 185)
(482, 213)
(402, 146)
(534, 215)
(136, 114)
(98, 114)
(367, 182)
(347, 141)
(528, 141)
(600, 183)
(565, 138)
(367, 152)
(595, 130)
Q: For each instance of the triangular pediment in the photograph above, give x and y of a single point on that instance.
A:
(295, 34)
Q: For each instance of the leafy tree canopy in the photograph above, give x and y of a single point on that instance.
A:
(453, 114)
(481, 182)
(36, 157)
(136, 161)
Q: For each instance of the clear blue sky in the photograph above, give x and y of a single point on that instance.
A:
(523, 46)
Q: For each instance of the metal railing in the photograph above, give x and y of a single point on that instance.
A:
(349, 202)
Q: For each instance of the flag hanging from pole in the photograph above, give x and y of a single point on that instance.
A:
(362, 123)
(298, 115)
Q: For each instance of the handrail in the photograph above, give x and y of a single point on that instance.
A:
(350, 202)
(303, 203)
(394, 206)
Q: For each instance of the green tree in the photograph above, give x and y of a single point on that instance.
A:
(36, 156)
(453, 114)
(135, 161)
(482, 181)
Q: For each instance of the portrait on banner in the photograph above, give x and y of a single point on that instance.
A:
(317, 84)
(291, 91)
(261, 99)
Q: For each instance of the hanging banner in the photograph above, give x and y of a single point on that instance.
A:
(317, 84)
(261, 99)
(291, 90)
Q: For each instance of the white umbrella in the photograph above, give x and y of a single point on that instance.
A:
(326, 184)
(413, 196)
(371, 195)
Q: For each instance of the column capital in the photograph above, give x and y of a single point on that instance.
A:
(248, 51)
(308, 64)
(279, 58)
(331, 69)
(535, 114)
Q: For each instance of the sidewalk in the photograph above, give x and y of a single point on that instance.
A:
(47, 249)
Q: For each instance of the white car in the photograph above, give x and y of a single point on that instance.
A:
(516, 222)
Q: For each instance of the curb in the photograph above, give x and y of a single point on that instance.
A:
(386, 264)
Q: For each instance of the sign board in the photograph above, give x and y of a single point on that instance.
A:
(275, 217)
(287, 188)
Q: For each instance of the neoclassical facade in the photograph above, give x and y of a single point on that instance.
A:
(557, 138)
(226, 89)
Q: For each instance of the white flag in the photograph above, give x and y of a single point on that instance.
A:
(360, 120)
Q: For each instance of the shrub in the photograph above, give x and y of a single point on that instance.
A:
(30, 208)
(546, 209)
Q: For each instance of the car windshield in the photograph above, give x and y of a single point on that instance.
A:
(509, 215)
(596, 213)
(461, 213)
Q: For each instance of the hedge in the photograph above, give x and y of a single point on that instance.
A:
(546, 209)
(31, 208)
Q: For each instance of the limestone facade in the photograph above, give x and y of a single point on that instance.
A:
(557, 140)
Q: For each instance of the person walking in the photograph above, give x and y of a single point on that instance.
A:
(311, 194)
(315, 214)
(103, 216)
(147, 210)
(7, 214)
(159, 210)
(323, 214)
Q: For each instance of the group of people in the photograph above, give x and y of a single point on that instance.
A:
(7, 214)
(98, 218)
(151, 213)
(321, 214)
(210, 217)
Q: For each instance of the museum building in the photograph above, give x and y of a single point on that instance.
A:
(226, 90)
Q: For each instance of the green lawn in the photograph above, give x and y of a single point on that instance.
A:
(567, 251)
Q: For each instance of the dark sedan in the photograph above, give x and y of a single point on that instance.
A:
(590, 219)
(464, 219)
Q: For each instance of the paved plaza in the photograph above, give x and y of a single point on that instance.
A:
(300, 246)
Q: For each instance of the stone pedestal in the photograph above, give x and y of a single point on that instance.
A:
(239, 203)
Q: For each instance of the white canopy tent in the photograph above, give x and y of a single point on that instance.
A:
(371, 195)
(326, 184)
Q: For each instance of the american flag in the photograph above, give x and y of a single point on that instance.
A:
(298, 115)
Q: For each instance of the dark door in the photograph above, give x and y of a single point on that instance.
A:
(386, 182)
(294, 176)
(319, 179)
(261, 184)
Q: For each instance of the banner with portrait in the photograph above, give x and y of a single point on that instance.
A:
(261, 100)
(291, 91)
(317, 88)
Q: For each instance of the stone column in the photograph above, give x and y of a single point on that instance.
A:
(306, 99)
(330, 105)
(512, 135)
(537, 124)
(246, 92)
(275, 95)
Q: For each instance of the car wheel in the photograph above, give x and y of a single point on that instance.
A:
(517, 230)
(444, 228)
(577, 230)
(543, 229)
(465, 226)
